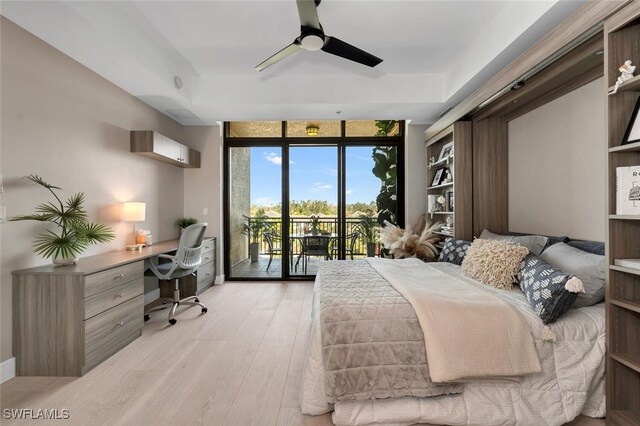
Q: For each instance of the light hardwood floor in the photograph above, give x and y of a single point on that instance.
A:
(239, 364)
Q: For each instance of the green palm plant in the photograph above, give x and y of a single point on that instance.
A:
(75, 231)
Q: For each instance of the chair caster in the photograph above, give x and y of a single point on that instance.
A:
(173, 321)
(204, 310)
(196, 300)
(147, 317)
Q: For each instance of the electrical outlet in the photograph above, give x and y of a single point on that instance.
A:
(205, 211)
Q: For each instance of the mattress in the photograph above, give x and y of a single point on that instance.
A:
(571, 381)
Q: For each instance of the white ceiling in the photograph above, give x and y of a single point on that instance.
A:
(435, 53)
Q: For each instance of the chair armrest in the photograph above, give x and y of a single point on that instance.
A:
(166, 256)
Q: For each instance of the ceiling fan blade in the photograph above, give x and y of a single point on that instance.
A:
(287, 51)
(345, 50)
(308, 14)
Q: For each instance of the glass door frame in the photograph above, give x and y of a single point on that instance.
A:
(284, 143)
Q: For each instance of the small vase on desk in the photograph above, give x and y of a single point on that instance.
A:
(314, 231)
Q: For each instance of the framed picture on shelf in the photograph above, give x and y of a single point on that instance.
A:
(449, 201)
(447, 150)
(438, 177)
(632, 134)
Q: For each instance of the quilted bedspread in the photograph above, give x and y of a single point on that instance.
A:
(372, 343)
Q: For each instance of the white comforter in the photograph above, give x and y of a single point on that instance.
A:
(571, 382)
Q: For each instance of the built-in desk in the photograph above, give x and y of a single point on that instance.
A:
(68, 319)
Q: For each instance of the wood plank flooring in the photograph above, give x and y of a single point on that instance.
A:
(239, 364)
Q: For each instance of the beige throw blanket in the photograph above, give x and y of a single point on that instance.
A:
(468, 331)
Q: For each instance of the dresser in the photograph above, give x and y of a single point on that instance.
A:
(69, 319)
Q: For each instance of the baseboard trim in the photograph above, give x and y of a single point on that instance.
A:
(152, 295)
(7, 369)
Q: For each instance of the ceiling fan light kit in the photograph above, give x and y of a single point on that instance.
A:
(312, 38)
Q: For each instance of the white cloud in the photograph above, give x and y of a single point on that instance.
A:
(349, 192)
(320, 185)
(263, 202)
(274, 158)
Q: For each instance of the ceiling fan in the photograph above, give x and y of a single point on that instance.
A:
(313, 38)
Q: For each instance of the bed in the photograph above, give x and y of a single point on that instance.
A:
(571, 381)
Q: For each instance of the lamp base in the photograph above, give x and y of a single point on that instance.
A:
(134, 247)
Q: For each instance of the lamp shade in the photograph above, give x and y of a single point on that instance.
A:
(133, 212)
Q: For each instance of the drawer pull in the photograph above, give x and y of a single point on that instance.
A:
(121, 294)
(207, 274)
(120, 324)
(119, 277)
(207, 258)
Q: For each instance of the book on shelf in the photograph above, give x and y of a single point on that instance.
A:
(628, 190)
(628, 263)
(447, 229)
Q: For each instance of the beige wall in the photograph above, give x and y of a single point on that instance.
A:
(415, 174)
(67, 124)
(557, 166)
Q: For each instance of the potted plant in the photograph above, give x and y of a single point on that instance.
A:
(369, 228)
(183, 222)
(75, 232)
(315, 224)
(253, 227)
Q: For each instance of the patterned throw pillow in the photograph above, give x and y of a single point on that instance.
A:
(493, 262)
(453, 251)
(550, 292)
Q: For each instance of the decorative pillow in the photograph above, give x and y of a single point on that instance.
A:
(493, 262)
(550, 292)
(588, 246)
(590, 268)
(454, 251)
(535, 243)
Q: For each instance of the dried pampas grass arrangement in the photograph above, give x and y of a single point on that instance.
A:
(403, 243)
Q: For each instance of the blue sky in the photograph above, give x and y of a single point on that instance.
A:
(313, 175)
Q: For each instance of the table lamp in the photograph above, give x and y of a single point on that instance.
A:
(133, 212)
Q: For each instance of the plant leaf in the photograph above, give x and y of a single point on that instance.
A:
(37, 179)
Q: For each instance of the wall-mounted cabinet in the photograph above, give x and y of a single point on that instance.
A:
(159, 147)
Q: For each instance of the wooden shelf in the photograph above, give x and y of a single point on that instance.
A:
(631, 147)
(445, 160)
(624, 269)
(628, 359)
(624, 217)
(444, 185)
(443, 233)
(624, 417)
(440, 212)
(628, 86)
(626, 304)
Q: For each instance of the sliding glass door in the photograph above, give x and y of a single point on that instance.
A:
(297, 194)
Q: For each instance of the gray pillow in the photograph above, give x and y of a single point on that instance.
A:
(535, 243)
(589, 267)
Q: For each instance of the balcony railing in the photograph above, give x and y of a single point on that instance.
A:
(328, 225)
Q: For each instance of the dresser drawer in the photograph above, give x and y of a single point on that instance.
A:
(107, 333)
(206, 273)
(207, 246)
(207, 258)
(107, 299)
(105, 280)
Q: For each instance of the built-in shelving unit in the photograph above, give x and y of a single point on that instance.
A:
(459, 164)
(622, 32)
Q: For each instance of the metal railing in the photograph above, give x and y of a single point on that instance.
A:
(328, 225)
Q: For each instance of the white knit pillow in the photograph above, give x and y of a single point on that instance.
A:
(493, 262)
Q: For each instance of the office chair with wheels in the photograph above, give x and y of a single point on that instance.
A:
(185, 262)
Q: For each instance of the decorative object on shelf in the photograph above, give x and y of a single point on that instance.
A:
(368, 227)
(134, 212)
(628, 263)
(626, 70)
(449, 222)
(183, 222)
(442, 203)
(253, 227)
(403, 243)
(448, 178)
(141, 236)
(447, 151)
(450, 199)
(628, 190)
(632, 134)
(437, 178)
(315, 224)
(76, 233)
(432, 203)
(432, 161)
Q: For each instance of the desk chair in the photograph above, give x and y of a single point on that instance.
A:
(185, 262)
